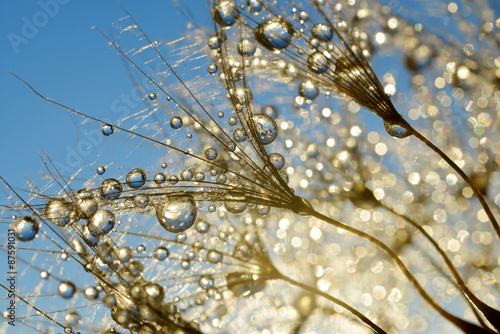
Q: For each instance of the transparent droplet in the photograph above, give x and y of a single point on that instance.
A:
(101, 223)
(199, 176)
(221, 178)
(322, 31)
(243, 285)
(247, 47)
(277, 160)
(214, 256)
(91, 293)
(176, 122)
(235, 203)
(177, 214)
(308, 90)
(232, 121)
(160, 178)
(254, 6)
(202, 226)
(239, 135)
(206, 282)
(284, 176)
(161, 253)
(186, 175)
(66, 289)
(152, 96)
(101, 170)
(136, 178)
(72, 319)
(107, 129)
(210, 153)
(317, 62)
(141, 200)
(263, 210)
(211, 208)
(396, 130)
(173, 179)
(111, 189)
(274, 34)
(163, 165)
(87, 206)
(266, 127)
(125, 254)
(25, 228)
(61, 213)
(212, 69)
(226, 13)
(214, 42)
(220, 114)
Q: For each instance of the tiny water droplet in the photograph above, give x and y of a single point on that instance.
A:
(101, 170)
(107, 129)
(266, 127)
(136, 178)
(66, 289)
(396, 130)
(308, 90)
(277, 160)
(322, 31)
(152, 96)
(226, 13)
(101, 223)
(212, 69)
(177, 214)
(161, 253)
(247, 47)
(160, 178)
(111, 189)
(214, 256)
(25, 228)
(175, 123)
(210, 153)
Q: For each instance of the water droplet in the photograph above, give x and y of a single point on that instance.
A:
(239, 135)
(214, 256)
(202, 226)
(212, 69)
(254, 6)
(61, 213)
(232, 121)
(107, 129)
(140, 249)
(262, 210)
(177, 214)
(247, 47)
(141, 200)
(322, 31)
(226, 13)
(175, 123)
(186, 175)
(210, 153)
(101, 223)
(125, 254)
(160, 178)
(220, 114)
(214, 42)
(161, 253)
(173, 179)
(25, 228)
(101, 170)
(243, 285)
(66, 289)
(266, 127)
(111, 189)
(308, 90)
(72, 318)
(221, 178)
(274, 34)
(277, 160)
(396, 130)
(152, 96)
(235, 203)
(91, 293)
(317, 62)
(136, 178)
(199, 176)
(284, 176)
(206, 282)
(211, 208)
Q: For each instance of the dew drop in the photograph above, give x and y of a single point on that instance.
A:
(254, 6)
(308, 90)
(263, 210)
(214, 42)
(243, 285)
(317, 62)
(101, 170)
(211, 208)
(161, 253)
(141, 200)
(25, 228)
(175, 123)
(61, 213)
(266, 127)
(111, 189)
(232, 121)
(202, 226)
(199, 176)
(212, 69)
(210, 153)
(220, 114)
(136, 178)
(177, 214)
(247, 47)
(235, 203)
(239, 135)
(160, 178)
(173, 179)
(107, 129)
(101, 223)
(226, 13)
(66, 289)
(277, 160)
(152, 96)
(322, 31)
(163, 165)
(186, 175)
(206, 282)
(214, 256)
(396, 130)
(274, 34)
(87, 205)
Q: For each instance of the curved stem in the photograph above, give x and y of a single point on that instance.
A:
(313, 290)
(460, 172)
(465, 326)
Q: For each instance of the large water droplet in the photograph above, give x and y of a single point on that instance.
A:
(226, 13)
(235, 203)
(274, 34)
(141, 200)
(101, 223)
(322, 31)
(87, 205)
(308, 90)
(160, 178)
(25, 228)
(66, 289)
(266, 127)
(187, 175)
(176, 122)
(177, 214)
(247, 47)
(317, 62)
(210, 153)
(254, 6)
(239, 135)
(161, 253)
(111, 189)
(136, 178)
(61, 213)
(277, 160)
(396, 130)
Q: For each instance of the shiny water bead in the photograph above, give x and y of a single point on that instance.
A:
(160, 178)
(214, 42)
(173, 179)
(141, 200)
(239, 135)
(396, 130)
(181, 237)
(221, 178)
(66, 289)
(89, 238)
(210, 153)
(235, 203)
(101, 170)
(175, 123)
(155, 293)
(322, 31)
(308, 90)
(254, 6)
(186, 175)
(136, 178)
(212, 69)
(161, 253)
(231, 146)
(202, 226)
(152, 96)
(284, 176)
(277, 160)
(226, 13)
(177, 214)
(72, 318)
(60, 212)
(101, 223)
(214, 256)
(91, 293)
(206, 282)
(212, 208)
(317, 62)
(232, 121)
(125, 254)
(243, 285)
(26, 228)
(247, 47)
(111, 189)
(220, 114)
(243, 95)
(266, 128)
(140, 249)
(199, 176)
(274, 34)
(107, 129)
(262, 210)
